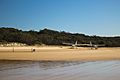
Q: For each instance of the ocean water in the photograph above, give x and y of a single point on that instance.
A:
(60, 70)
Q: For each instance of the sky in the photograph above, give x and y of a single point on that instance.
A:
(91, 17)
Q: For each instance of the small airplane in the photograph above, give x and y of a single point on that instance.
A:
(94, 46)
(75, 45)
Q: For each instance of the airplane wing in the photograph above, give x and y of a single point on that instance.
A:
(101, 45)
(83, 44)
(69, 44)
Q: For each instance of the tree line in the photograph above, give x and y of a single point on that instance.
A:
(52, 37)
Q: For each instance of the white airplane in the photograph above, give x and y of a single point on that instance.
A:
(94, 46)
(75, 45)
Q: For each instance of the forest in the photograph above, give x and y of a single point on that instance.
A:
(52, 37)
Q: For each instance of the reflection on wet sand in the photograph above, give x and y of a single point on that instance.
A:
(59, 70)
(14, 64)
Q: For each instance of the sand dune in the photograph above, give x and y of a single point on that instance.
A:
(58, 53)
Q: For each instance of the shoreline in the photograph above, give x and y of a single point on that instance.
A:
(59, 54)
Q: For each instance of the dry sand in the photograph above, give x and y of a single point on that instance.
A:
(58, 53)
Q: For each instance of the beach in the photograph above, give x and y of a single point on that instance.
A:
(59, 63)
(58, 53)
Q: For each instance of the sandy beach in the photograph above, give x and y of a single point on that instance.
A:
(59, 63)
(57, 53)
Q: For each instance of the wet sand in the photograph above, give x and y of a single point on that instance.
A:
(60, 70)
(58, 54)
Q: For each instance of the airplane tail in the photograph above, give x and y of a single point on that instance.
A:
(90, 43)
(76, 43)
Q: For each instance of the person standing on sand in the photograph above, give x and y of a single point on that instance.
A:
(33, 49)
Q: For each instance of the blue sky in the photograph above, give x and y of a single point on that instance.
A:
(92, 17)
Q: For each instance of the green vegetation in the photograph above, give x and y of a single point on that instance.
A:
(51, 37)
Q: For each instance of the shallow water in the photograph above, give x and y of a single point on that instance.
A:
(59, 70)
